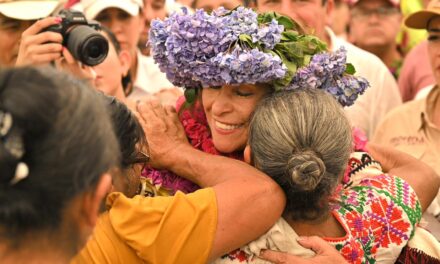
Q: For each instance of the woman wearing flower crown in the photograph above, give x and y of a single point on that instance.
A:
(239, 58)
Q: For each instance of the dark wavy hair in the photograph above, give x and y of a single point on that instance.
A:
(128, 130)
(68, 144)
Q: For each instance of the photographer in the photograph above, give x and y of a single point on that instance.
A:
(26, 39)
(126, 20)
(21, 43)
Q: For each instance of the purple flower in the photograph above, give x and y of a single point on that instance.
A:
(326, 71)
(269, 35)
(200, 49)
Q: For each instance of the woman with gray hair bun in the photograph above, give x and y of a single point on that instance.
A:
(302, 140)
(292, 138)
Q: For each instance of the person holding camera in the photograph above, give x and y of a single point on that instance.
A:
(125, 19)
(31, 36)
(21, 41)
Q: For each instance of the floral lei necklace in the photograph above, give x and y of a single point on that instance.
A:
(196, 128)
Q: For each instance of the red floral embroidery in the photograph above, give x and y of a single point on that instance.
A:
(352, 252)
(358, 227)
(237, 255)
(388, 224)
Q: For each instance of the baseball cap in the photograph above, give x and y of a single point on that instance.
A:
(395, 3)
(93, 7)
(420, 19)
(28, 9)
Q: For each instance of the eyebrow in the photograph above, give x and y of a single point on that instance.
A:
(7, 20)
(434, 30)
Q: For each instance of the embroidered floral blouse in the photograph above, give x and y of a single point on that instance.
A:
(379, 216)
(378, 213)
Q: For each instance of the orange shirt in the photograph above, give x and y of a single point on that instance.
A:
(178, 229)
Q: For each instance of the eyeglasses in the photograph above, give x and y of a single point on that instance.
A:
(434, 37)
(142, 158)
(381, 12)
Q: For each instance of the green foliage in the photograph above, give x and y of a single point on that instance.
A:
(190, 95)
(350, 69)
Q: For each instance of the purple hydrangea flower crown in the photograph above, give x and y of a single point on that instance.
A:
(240, 46)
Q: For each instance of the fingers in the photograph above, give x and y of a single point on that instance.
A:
(150, 113)
(46, 48)
(69, 57)
(40, 25)
(38, 47)
(41, 38)
(170, 110)
(278, 257)
(317, 244)
(44, 58)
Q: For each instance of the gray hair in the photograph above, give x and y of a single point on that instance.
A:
(302, 139)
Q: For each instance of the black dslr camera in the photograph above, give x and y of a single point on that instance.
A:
(81, 37)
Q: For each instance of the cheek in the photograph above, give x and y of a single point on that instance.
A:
(207, 99)
(8, 47)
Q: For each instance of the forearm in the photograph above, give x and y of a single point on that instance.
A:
(208, 170)
(420, 176)
(248, 201)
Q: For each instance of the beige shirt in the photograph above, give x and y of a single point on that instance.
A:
(383, 93)
(409, 128)
(149, 79)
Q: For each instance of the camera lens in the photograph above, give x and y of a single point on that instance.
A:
(87, 45)
(94, 51)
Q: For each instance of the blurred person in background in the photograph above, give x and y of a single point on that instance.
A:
(18, 16)
(341, 18)
(208, 5)
(155, 9)
(414, 127)
(374, 27)
(416, 73)
(126, 20)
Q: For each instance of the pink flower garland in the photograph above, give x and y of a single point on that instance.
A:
(196, 128)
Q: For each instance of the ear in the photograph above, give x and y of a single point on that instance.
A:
(125, 59)
(91, 203)
(247, 155)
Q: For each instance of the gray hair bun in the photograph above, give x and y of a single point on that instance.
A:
(306, 170)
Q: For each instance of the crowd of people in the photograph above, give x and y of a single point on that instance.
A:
(253, 131)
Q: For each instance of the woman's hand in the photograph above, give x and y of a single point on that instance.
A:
(165, 134)
(325, 253)
(37, 47)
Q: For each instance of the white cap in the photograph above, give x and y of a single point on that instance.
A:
(93, 7)
(28, 9)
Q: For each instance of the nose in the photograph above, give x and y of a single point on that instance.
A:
(221, 104)
(373, 17)
(115, 26)
(288, 9)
